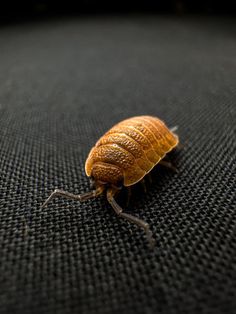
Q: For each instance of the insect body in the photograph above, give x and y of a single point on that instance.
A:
(123, 156)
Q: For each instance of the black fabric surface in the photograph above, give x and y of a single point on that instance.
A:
(63, 83)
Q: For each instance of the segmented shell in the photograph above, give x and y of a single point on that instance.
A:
(129, 150)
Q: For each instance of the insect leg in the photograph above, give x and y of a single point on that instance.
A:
(81, 197)
(167, 164)
(149, 177)
(143, 183)
(174, 128)
(129, 192)
(138, 222)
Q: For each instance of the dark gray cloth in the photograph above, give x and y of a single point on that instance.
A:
(63, 83)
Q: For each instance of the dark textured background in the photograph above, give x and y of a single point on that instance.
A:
(62, 84)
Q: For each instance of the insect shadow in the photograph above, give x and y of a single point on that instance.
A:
(131, 197)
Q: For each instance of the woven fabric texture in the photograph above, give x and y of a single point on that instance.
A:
(63, 83)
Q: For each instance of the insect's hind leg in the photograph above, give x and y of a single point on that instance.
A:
(174, 128)
(168, 164)
(129, 192)
(81, 197)
(138, 222)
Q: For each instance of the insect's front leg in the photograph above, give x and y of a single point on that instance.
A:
(138, 222)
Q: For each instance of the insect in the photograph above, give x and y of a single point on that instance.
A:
(122, 157)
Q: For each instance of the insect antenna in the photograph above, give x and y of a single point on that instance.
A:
(80, 197)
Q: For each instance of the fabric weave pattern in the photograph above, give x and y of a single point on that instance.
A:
(63, 83)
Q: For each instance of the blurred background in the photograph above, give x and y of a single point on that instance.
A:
(13, 9)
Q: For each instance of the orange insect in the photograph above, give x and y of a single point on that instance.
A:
(122, 157)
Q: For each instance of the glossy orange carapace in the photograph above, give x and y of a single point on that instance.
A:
(129, 150)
